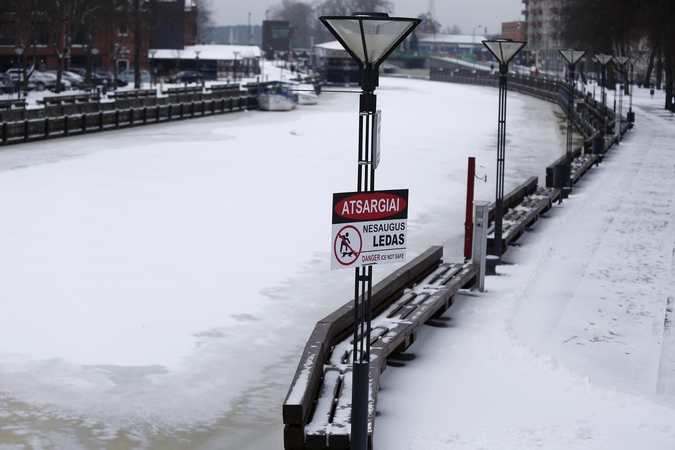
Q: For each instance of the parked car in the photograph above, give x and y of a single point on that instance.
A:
(99, 77)
(72, 77)
(129, 76)
(38, 80)
(6, 84)
(109, 78)
(186, 76)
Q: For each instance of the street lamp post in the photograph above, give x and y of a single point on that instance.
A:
(473, 45)
(503, 50)
(603, 60)
(618, 120)
(369, 38)
(152, 68)
(234, 68)
(572, 57)
(631, 114)
(19, 52)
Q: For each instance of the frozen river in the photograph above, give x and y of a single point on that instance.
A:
(159, 283)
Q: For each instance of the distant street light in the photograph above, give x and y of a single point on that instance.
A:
(473, 45)
(603, 60)
(504, 50)
(618, 120)
(369, 38)
(19, 52)
(234, 68)
(631, 114)
(152, 68)
(572, 57)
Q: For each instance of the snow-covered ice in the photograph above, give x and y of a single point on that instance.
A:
(159, 283)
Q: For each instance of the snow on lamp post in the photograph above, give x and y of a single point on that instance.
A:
(369, 38)
(603, 60)
(572, 57)
(503, 50)
(621, 62)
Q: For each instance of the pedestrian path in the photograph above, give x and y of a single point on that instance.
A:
(571, 345)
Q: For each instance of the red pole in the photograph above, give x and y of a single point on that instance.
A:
(468, 222)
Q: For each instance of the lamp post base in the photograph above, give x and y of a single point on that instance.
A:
(491, 263)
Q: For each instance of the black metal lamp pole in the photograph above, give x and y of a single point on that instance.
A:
(501, 154)
(631, 117)
(363, 280)
(369, 38)
(503, 50)
(570, 111)
(621, 63)
(572, 57)
(603, 60)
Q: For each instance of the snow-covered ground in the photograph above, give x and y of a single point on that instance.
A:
(159, 283)
(571, 346)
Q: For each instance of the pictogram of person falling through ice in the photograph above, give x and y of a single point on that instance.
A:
(344, 245)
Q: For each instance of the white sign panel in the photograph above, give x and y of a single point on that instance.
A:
(377, 134)
(369, 228)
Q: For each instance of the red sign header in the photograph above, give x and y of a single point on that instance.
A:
(369, 206)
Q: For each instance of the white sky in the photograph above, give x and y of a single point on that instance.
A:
(467, 15)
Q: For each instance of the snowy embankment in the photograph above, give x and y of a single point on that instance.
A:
(570, 347)
(159, 283)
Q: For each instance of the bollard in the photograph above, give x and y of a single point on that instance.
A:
(598, 148)
(561, 180)
(480, 228)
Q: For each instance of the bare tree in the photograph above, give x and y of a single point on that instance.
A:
(92, 24)
(301, 16)
(372, 6)
(139, 23)
(204, 20)
(66, 19)
(347, 8)
(24, 29)
(455, 29)
(118, 23)
(620, 26)
(428, 24)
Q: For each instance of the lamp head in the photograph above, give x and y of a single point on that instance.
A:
(622, 60)
(369, 38)
(572, 56)
(504, 50)
(603, 59)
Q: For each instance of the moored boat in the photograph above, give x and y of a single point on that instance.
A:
(276, 96)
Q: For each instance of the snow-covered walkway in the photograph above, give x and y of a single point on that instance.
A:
(570, 347)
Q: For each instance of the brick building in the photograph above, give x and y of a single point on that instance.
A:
(104, 42)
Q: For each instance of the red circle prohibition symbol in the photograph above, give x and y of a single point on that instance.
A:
(343, 240)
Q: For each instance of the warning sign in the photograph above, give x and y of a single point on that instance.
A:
(346, 248)
(369, 228)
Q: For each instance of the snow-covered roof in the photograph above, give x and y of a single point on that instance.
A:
(332, 45)
(210, 52)
(451, 38)
(332, 49)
